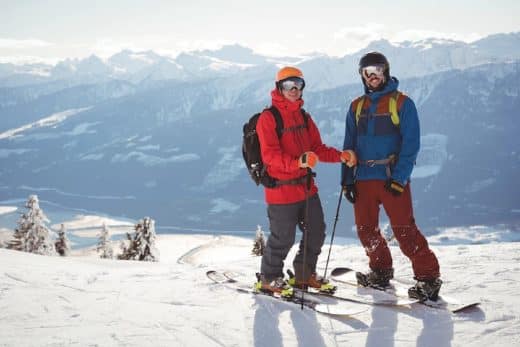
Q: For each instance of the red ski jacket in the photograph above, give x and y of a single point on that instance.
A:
(281, 155)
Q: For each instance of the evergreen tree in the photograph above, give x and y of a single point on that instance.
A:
(32, 235)
(18, 241)
(62, 244)
(122, 247)
(142, 244)
(259, 244)
(104, 246)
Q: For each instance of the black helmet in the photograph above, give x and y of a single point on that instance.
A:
(374, 58)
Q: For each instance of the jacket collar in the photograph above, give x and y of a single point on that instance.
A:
(283, 104)
(391, 86)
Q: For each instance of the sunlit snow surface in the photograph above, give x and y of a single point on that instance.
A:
(83, 300)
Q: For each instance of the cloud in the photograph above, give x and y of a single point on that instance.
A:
(273, 49)
(23, 44)
(417, 35)
(364, 33)
(352, 39)
(373, 31)
(186, 45)
(28, 59)
(161, 44)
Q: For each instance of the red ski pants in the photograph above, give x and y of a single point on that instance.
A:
(370, 195)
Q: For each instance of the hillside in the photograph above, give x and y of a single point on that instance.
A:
(172, 151)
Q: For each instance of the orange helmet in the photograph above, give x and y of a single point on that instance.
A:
(288, 71)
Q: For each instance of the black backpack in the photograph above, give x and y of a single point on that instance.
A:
(251, 147)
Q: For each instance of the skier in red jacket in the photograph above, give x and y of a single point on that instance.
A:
(296, 201)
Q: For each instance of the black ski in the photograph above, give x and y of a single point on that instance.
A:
(399, 290)
(311, 303)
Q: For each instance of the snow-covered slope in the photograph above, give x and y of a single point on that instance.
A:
(84, 301)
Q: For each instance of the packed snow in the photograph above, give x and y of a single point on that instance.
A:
(83, 300)
(90, 225)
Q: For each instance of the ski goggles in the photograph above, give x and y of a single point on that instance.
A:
(370, 70)
(292, 82)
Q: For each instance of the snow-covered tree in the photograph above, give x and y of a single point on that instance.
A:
(122, 248)
(104, 246)
(32, 234)
(259, 244)
(62, 244)
(142, 245)
(18, 240)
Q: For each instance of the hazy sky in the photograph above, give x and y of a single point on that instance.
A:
(55, 29)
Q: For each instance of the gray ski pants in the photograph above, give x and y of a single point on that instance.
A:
(283, 219)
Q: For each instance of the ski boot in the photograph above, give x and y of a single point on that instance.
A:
(276, 287)
(426, 290)
(379, 279)
(315, 281)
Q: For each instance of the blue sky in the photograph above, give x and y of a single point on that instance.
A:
(55, 29)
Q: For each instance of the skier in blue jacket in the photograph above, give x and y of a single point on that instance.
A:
(382, 128)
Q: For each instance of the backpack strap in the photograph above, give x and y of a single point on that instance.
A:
(305, 116)
(393, 106)
(359, 108)
(279, 121)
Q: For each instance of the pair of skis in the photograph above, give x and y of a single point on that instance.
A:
(227, 279)
(395, 295)
(399, 291)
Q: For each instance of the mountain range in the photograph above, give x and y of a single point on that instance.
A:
(143, 134)
(417, 58)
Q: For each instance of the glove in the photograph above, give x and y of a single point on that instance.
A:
(348, 157)
(394, 187)
(350, 192)
(308, 160)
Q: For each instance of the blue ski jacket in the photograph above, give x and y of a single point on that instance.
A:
(375, 137)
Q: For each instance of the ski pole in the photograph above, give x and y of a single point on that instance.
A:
(306, 226)
(333, 232)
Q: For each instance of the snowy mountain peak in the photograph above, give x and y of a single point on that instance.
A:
(130, 57)
(130, 62)
(92, 62)
(381, 45)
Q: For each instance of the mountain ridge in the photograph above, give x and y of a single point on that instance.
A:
(409, 58)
